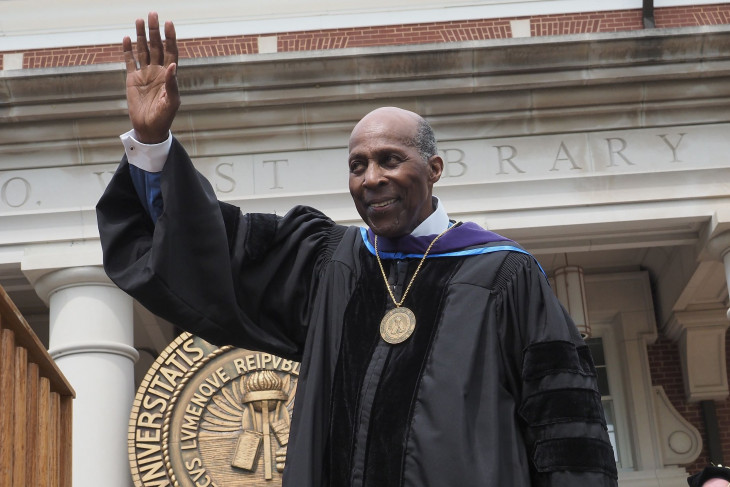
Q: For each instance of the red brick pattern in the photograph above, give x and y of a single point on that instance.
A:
(473, 30)
(547, 25)
(666, 371)
(583, 23)
(395, 34)
(312, 40)
(216, 46)
(72, 56)
(693, 16)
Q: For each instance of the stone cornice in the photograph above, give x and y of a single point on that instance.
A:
(660, 57)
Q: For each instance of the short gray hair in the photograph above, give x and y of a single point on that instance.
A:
(425, 140)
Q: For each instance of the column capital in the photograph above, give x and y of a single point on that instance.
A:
(49, 282)
(682, 321)
(701, 339)
(719, 245)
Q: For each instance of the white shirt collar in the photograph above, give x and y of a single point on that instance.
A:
(437, 222)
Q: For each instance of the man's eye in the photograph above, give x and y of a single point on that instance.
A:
(356, 166)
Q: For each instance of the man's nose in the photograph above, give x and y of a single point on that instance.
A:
(373, 175)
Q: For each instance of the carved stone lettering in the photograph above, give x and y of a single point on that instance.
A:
(224, 171)
(454, 165)
(15, 192)
(275, 166)
(506, 153)
(673, 147)
(616, 146)
(564, 155)
(241, 176)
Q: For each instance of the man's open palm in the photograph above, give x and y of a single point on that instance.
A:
(152, 93)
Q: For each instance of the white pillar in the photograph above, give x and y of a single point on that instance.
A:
(91, 340)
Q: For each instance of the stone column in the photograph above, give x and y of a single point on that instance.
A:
(91, 340)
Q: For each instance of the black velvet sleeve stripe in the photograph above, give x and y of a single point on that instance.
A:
(574, 454)
(547, 358)
(562, 406)
(258, 242)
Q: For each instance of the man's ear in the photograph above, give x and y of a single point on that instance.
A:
(435, 168)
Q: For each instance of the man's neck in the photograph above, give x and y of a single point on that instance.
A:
(436, 222)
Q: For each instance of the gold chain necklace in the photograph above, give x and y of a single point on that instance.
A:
(398, 324)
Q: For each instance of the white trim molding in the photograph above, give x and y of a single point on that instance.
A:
(660, 439)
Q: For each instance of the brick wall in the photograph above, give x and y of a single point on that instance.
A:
(611, 21)
(395, 34)
(614, 21)
(216, 46)
(666, 371)
(72, 56)
(689, 16)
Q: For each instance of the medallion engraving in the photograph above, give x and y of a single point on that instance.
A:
(207, 416)
(397, 325)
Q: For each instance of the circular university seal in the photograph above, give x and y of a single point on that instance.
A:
(397, 325)
(211, 417)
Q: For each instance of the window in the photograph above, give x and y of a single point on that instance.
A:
(599, 358)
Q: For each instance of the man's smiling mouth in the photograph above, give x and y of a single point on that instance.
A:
(382, 204)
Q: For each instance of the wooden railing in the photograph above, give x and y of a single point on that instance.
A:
(35, 408)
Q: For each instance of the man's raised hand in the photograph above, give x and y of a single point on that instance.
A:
(152, 93)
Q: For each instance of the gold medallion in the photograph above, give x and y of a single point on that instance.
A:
(397, 325)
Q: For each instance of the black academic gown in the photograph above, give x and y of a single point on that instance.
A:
(494, 388)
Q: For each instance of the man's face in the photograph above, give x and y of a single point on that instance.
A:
(390, 182)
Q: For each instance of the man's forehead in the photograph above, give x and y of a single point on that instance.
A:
(392, 114)
(391, 121)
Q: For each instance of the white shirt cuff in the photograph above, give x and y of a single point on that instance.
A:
(148, 157)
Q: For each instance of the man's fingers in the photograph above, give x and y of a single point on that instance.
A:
(128, 55)
(171, 82)
(143, 53)
(156, 55)
(170, 44)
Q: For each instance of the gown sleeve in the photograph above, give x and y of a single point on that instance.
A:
(244, 280)
(554, 381)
